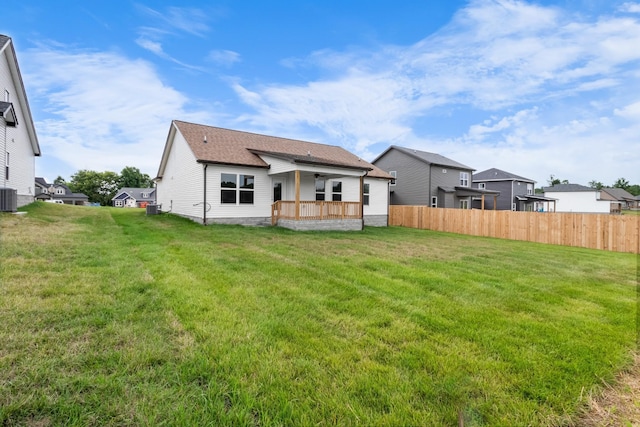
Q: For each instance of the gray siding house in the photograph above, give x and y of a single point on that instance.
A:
(45, 191)
(129, 197)
(516, 193)
(429, 179)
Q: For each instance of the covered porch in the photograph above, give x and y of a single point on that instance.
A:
(312, 194)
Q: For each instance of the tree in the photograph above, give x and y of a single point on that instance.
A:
(132, 177)
(59, 180)
(555, 181)
(596, 184)
(621, 183)
(100, 187)
(634, 189)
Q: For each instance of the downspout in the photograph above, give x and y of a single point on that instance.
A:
(204, 196)
(362, 198)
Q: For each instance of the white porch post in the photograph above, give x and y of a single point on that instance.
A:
(297, 195)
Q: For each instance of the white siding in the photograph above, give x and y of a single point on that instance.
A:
(180, 189)
(262, 193)
(378, 197)
(16, 142)
(579, 202)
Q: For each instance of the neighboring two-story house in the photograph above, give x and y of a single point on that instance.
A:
(516, 192)
(429, 179)
(216, 175)
(18, 140)
(128, 197)
(61, 192)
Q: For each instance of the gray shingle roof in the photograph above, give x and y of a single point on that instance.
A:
(136, 193)
(427, 157)
(619, 193)
(494, 174)
(567, 188)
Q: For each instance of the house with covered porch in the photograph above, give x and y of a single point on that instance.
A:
(216, 175)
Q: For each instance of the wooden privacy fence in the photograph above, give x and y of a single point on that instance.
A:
(619, 233)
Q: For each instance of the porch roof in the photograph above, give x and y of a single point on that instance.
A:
(535, 198)
(308, 159)
(469, 191)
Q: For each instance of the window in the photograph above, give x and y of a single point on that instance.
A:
(394, 174)
(319, 189)
(236, 188)
(464, 179)
(145, 195)
(228, 186)
(482, 185)
(513, 206)
(337, 191)
(59, 190)
(529, 188)
(434, 201)
(365, 194)
(246, 189)
(464, 204)
(118, 203)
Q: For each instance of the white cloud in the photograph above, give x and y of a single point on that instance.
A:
(151, 46)
(561, 71)
(95, 118)
(184, 19)
(631, 112)
(630, 7)
(225, 58)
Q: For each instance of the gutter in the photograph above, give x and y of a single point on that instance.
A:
(204, 196)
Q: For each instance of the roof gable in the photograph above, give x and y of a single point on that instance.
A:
(224, 146)
(7, 50)
(619, 193)
(135, 193)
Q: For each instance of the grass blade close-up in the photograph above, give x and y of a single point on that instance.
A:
(112, 317)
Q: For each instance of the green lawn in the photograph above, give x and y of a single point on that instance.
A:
(111, 317)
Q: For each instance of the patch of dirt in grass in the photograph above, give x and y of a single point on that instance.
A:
(618, 404)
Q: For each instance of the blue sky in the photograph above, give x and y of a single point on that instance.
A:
(534, 88)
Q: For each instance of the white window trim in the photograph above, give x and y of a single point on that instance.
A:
(434, 201)
(394, 174)
(464, 179)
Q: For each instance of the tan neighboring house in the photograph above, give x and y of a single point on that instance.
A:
(216, 175)
(620, 199)
(18, 140)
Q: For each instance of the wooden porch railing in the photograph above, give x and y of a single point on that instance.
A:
(314, 210)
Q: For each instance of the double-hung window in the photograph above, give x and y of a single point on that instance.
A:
(337, 191)
(464, 179)
(319, 189)
(236, 188)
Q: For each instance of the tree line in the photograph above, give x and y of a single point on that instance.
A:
(101, 187)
